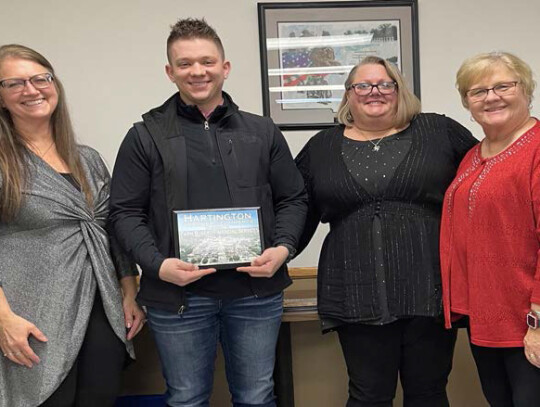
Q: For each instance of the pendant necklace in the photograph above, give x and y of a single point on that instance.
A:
(376, 146)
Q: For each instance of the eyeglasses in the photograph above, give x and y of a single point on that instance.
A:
(16, 85)
(501, 89)
(364, 88)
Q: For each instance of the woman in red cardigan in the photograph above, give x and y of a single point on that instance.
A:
(490, 233)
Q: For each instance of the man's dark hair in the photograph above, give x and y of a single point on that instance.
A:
(190, 28)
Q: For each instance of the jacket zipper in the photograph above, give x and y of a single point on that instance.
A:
(210, 141)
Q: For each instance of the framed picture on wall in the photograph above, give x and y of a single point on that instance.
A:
(308, 49)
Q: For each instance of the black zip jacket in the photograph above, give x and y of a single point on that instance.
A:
(150, 181)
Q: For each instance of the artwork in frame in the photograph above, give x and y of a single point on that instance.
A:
(308, 49)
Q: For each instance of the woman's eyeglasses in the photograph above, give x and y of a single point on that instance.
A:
(16, 85)
(364, 88)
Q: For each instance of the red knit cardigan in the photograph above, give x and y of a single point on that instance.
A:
(503, 240)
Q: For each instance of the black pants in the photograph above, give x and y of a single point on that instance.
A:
(94, 379)
(420, 349)
(507, 377)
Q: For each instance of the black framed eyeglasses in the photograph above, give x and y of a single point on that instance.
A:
(501, 89)
(16, 85)
(364, 88)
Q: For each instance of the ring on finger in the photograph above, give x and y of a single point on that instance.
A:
(532, 355)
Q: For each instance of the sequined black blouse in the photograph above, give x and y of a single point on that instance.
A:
(409, 209)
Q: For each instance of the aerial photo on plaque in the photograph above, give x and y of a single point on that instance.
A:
(218, 237)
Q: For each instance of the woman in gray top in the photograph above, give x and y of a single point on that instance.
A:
(63, 313)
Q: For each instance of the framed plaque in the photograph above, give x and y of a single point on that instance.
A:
(218, 238)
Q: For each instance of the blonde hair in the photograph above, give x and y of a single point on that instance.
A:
(13, 148)
(408, 105)
(481, 65)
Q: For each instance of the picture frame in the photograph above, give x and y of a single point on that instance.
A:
(308, 49)
(222, 238)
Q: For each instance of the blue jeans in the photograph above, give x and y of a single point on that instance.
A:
(247, 329)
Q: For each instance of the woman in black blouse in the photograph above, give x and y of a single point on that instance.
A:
(379, 179)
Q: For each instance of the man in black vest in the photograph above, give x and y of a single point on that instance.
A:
(199, 151)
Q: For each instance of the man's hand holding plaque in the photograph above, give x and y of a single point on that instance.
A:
(179, 272)
(267, 263)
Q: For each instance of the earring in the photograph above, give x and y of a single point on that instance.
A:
(472, 119)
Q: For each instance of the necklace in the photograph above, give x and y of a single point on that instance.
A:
(376, 146)
(39, 153)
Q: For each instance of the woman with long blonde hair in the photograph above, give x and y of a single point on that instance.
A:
(67, 294)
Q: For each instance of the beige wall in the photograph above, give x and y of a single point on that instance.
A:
(110, 55)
